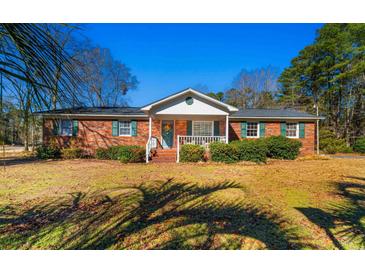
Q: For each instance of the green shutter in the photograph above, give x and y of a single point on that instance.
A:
(189, 128)
(115, 125)
(75, 127)
(262, 129)
(216, 128)
(55, 128)
(283, 129)
(244, 129)
(301, 130)
(134, 128)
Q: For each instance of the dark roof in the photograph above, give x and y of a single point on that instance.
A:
(96, 110)
(260, 112)
(242, 113)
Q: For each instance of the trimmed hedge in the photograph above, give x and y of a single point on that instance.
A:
(126, 154)
(71, 153)
(131, 154)
(225, 153)
(191, 153)
(48, 152)
(251, 150)
(359, 145)
(280, 147)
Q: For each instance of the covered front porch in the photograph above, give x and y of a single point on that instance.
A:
(186, 117)
(168, 132)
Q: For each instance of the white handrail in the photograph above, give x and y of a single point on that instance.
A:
(151, 143)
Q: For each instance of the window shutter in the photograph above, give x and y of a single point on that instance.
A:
(262, 129)
(55, 128)
(243, 129)
(301, 130)
(134, 128)
(216, 128)
(75, 127)
(115, 125)
(283, 129)
(189, 128)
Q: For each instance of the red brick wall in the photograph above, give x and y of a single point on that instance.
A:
(93, 134)
(98, 133)
(273, 129)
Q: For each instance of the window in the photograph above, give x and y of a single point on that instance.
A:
(65, 127)
(252, 130)
(292, 130)
(203, 128)
(124, 128)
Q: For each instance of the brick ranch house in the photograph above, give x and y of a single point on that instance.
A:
(186, 117)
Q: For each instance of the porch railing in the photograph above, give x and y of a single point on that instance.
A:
(152, 143)
(197, 140)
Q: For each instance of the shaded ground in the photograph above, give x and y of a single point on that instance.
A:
(90, 204)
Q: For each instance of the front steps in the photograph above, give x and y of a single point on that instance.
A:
(164, 156)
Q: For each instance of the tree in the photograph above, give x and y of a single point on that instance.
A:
(105, 80)
(216, 95)
(249, 84)
(30, 54)
(330, 73)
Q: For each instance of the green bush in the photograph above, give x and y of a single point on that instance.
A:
(359, 145)
(48, 152)
(226, 153)
(332, 145)
(102, 153)
(71, 153)
(251, 150)
(191, 153)
(279, 147)
(131, 154)
(126, 154)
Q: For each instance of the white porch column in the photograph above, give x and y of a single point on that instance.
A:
(227, 125)
(149, 127)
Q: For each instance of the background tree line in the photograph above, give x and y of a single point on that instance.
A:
(49, 66)
(328, 74)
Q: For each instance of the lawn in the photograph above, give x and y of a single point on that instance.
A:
(92, 204)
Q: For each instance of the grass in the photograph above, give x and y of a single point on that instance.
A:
(310, 203)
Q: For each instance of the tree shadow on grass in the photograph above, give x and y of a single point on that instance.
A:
(344, 223)
(158, 215)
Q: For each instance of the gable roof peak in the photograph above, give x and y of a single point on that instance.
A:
(189, 89)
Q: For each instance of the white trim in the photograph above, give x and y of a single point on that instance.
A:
(149, 127)
(130, 128)
(296, 132)
(258, 130)
(229, 107)
(192, 126)
(227, 130)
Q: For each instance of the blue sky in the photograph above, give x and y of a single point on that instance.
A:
(170, 57)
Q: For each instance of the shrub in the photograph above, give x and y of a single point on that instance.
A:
(359, 145)
(332, 145)
(126, 154)
(131, 154)
(48, 152)
(71, 153)
(102, 153)
(279, 147)
(191, 153)
(226, 153)
(251, 150)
